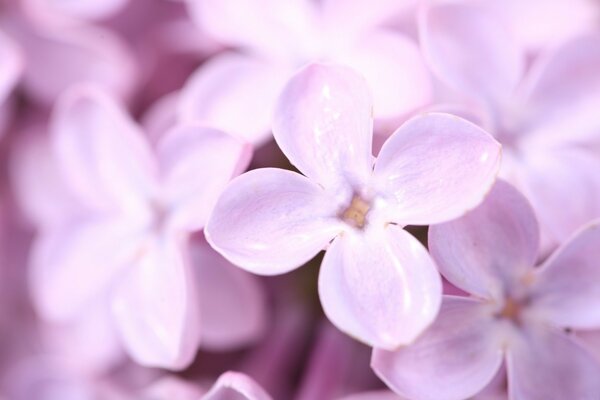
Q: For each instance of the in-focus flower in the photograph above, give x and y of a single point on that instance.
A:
(546, 116)
(276, 38)
(377, 282)
(235, 385)
(517, 313)
(129, 245)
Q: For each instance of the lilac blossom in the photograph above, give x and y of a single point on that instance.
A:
(545, 115)
(276, 38)
(518, 313)
(141, 208)
(377, 282)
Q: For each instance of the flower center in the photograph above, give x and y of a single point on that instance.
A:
(510, 311)
(356, 213)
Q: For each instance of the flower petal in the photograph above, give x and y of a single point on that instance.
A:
(470, 50)
(270, 221)
(374, 395)
(103, 153)
(323, 123)
(155, 306)
(395, 71)
(491, 247)
(10, 67)
(269, 27)
(235, 93)
(236, 386)
(547, 364)
(196, 164)
(73, 55)
(232, 302)
(380, 287)
(57, 11)
(459, 353)
(90, 253)
(567, 291)
(436, 167)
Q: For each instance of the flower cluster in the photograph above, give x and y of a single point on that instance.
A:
(170, 165)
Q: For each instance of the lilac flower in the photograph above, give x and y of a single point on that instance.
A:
(516, 313)
(235, 385)
(63, 12)
(11, 67)
(546, 117)
(377, 282)
(276, 38)
(129, 244)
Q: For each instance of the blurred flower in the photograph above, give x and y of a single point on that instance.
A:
(546, 117)
(377, 282)
(516, 312)
(236, 91)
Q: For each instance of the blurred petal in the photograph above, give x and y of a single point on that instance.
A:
(323, 124)
(355, 16)
(374, 395)
(235, 93)
(380, 286)
(270, 221)
(491, 247)
(11, 66)
(232, 302)
(197, 163)
(269, 27)
(64, 11)
(172, 387)
(77, 54)
(563, 187)
(76, 263)
(561, 19)
(155, 306)
(160, 117)
(395, 71)
(470, 50)
(454, 359)
(102, 151)
(546, 364)
(562, 94)
(437, 167)
(236, 386)
(567, 291)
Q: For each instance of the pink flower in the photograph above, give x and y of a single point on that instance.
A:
(141, 207)
(276, 38)
(546, 117)
(377, 282)
(235, 385)
(517, 312)
(11, 67)
(65, 12)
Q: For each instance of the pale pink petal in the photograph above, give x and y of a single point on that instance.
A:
(380, 286)
(74, 264)
(11, 66)
(567, 290)
(374, 395)
(470, 49)
(68, 11)
(357, 16)
(171, 387)
(562, 94)
(563, 187)
(236, 386)
(453, 360)
(323, 123)
(491, 247)
(103, 153)
(161, 116)
(270, 221)
(540, 23)
(269, 27)
(232, 301)
(235, 93)
(435, 168)
(546, 364)
(394, 69)
(39, 187)
(196, 164)
(155, 305)
(73, 55)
